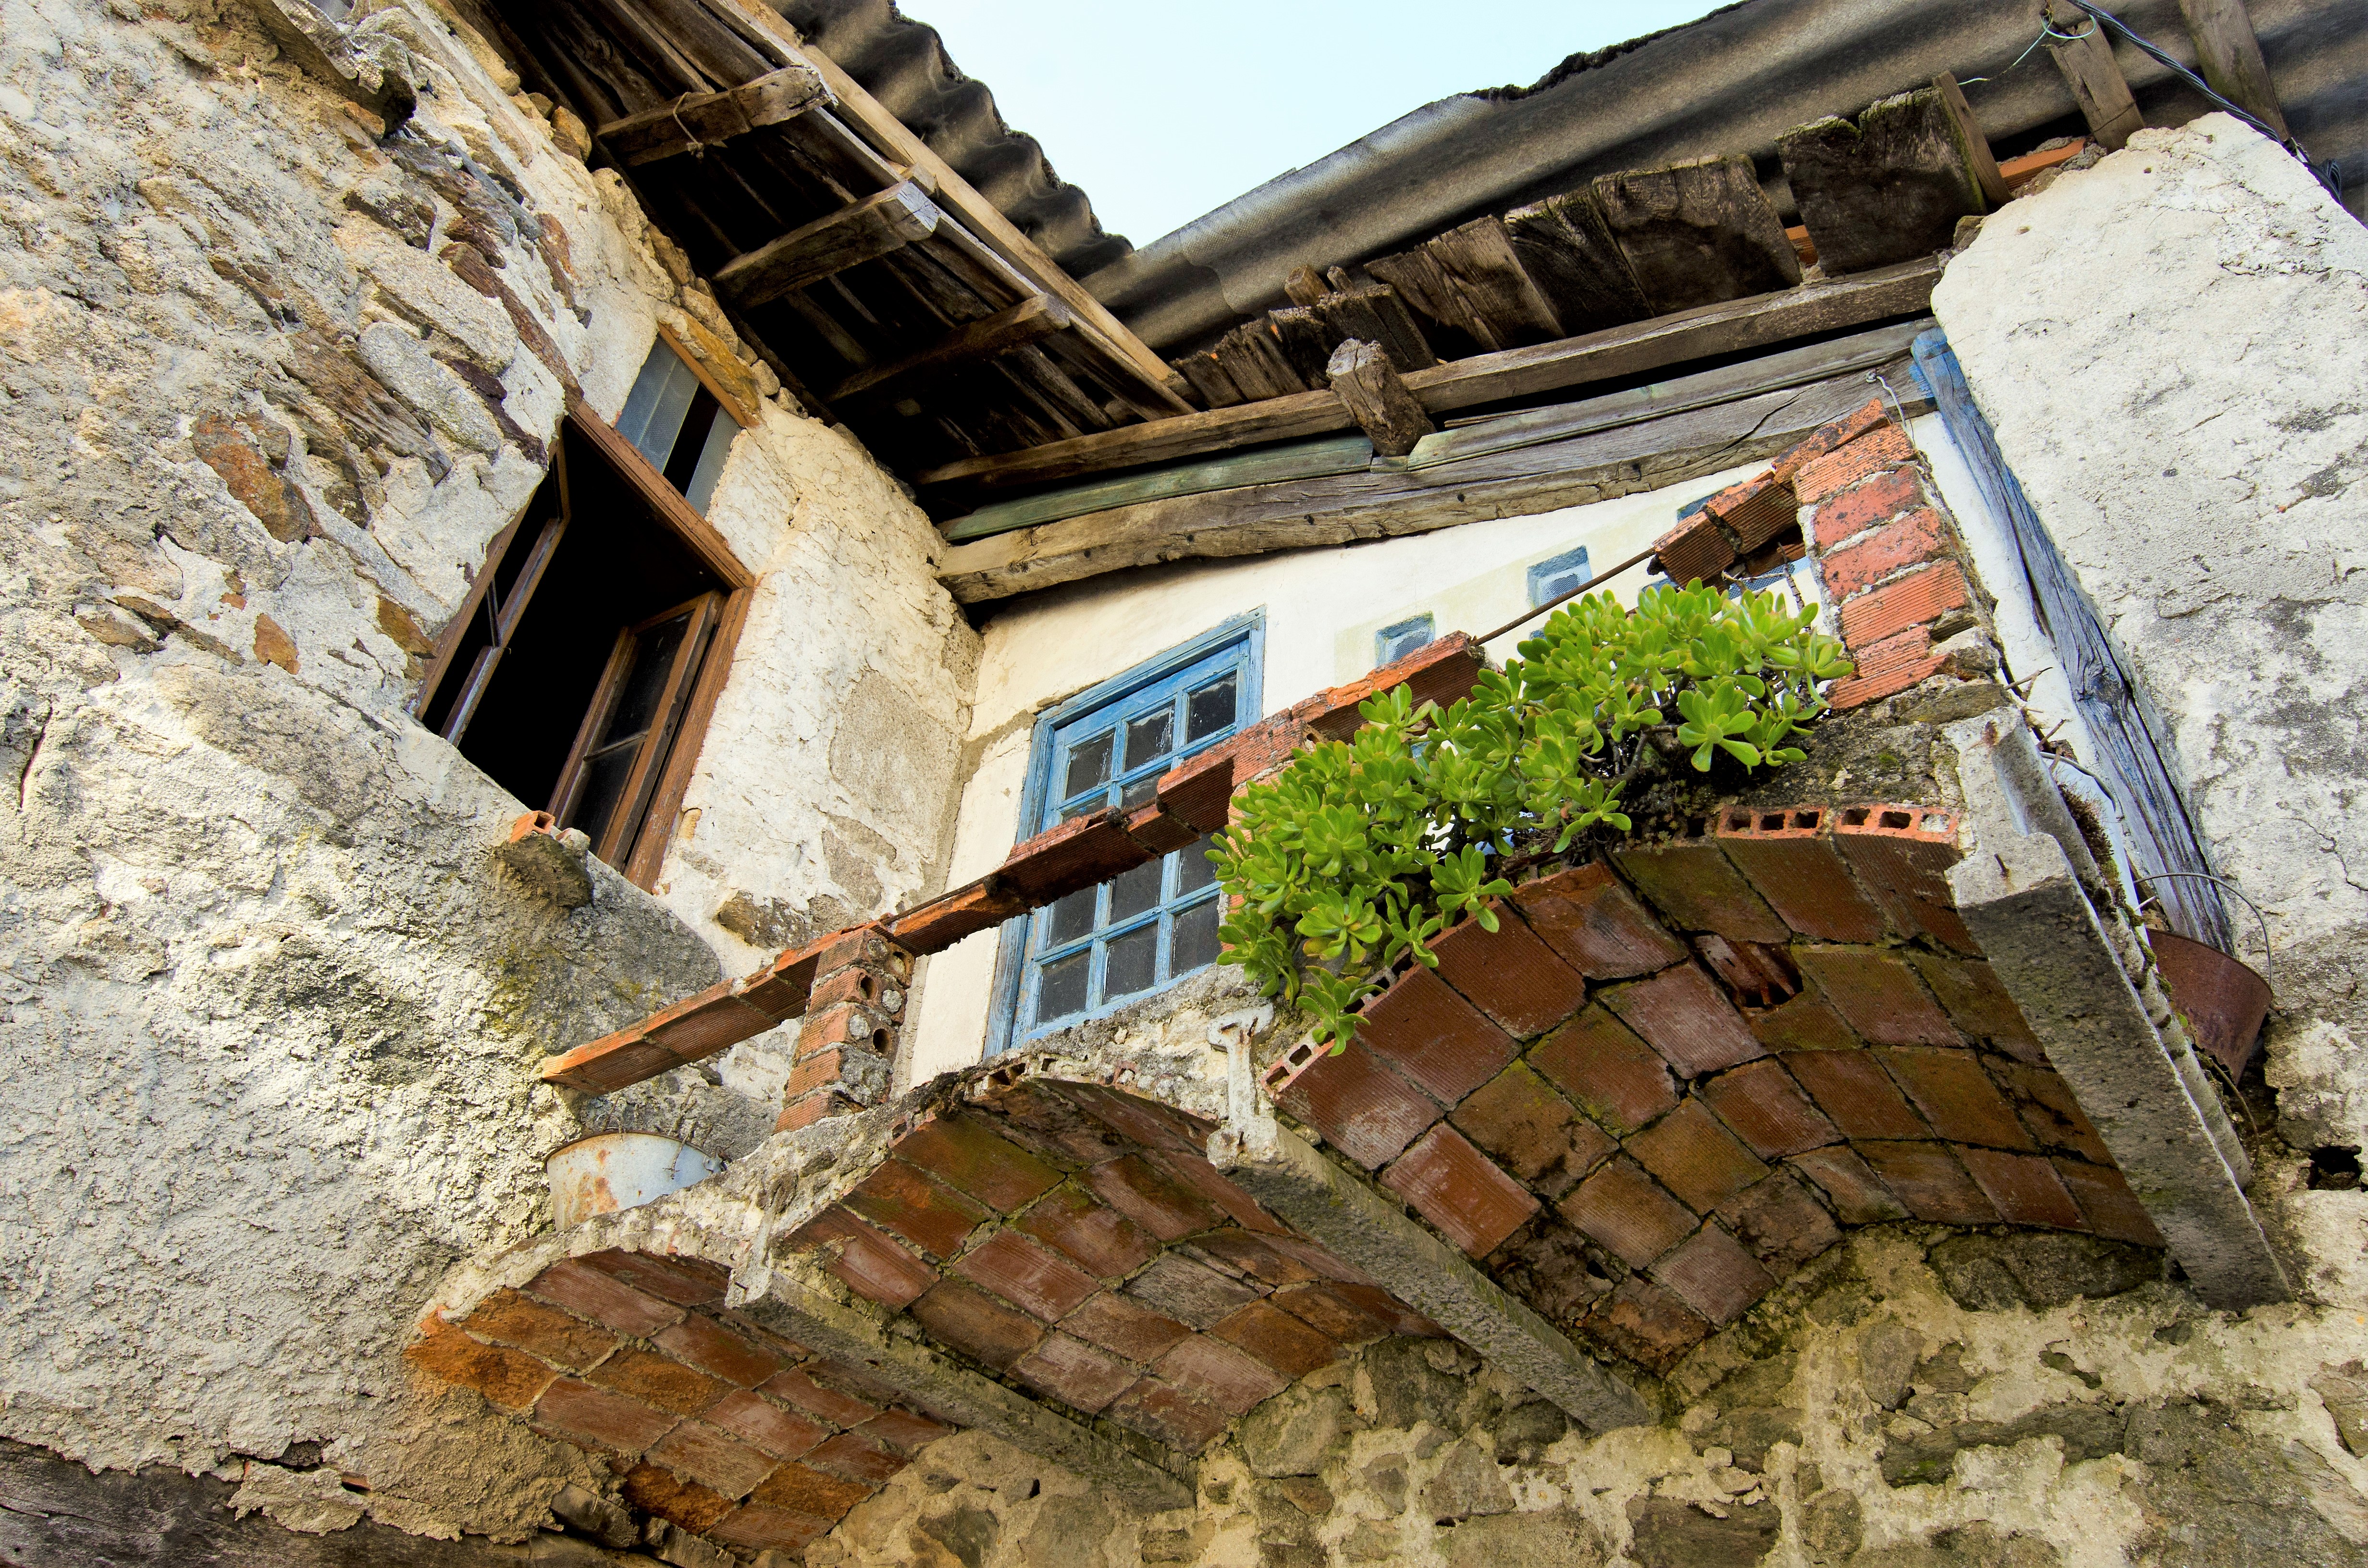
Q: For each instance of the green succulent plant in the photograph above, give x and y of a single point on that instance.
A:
(1361, 852)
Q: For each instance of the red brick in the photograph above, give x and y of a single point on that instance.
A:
(1509, 974)
(872, 1264)
(506, 1317)
(797, 1386)
(1434, 1038)
(1858, 1195)
(2048, 1109)
(510, 1379)
(1078, 853)
(1783, 1226)
(1611, 1075)
(1683, 1014)
(1074, 1373)
(659, 1381)
(1756, 510)
(1460, 1190)
(703, 1342)
(758, 1421)
(655, 1490)
(1851, 1087)
(1164, 1412)
(1362, 1109)
(1712, 1273)
(1646, 1324)
(1621, 1207)
(1916, 599)
(1147, 1121)
(1763, 1105)
(1807, 1022)
(1283, 1342)
(699, 1452)
(838, 1069)
(2024, 1187)
(1199, 790)
(576, 1287)
(1879, 994)
(1691, 882)
(1352, 1313)
(855, 1458)
(976, 1323)
(1957, 1097)
(1125, 1325)
(1027, 1274)
(1977, 1003)
(762, 1530)
(1588, 917)
(1211, 1371)
(808, 1108)
(1695, 1157)
(1882, 497)
(904, 1429)
(925, 1211)
(1201, 1176)
(2113, 1210)
(612, 1062)
(1755, 974)
(1915, 539)
(1532, 1131)
(1928, 1178)
(1856, 691)
(1884, 446)
(1179, 1286)
(1098, 1237)
(1696, 550)
(1902, 855)
(1152, 1199)
(1870, 415)
(802, 1489)
(971, 1157)
(596, 1418)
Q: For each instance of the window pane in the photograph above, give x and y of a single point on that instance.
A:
(1063, 988)
(1136, 891)
(1209, 709)
(1552, 578)
(1089, 764)
(1192, 868)
(1392, 643)
(711, 455)
(604, 783)
(1194, 945)
(1149, 737)
(1070, 917)
(637, 709)
(1141, 792)
(652, 419)
(1132, 961)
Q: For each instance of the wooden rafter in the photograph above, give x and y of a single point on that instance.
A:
(699, 120)
(863, 231)
(2230, 55)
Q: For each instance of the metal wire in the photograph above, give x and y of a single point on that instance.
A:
(1531, 614)
(2225, 882)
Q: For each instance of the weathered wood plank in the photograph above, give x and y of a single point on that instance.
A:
(710, 120)
(1378, 399)
(1252, 359)
(865, 231)
(1470, 282)
(1697, 233)
(1568, 249)
(1973, 142)
(2230, 53)
(983, 339)
(1884, 190)
(2086, 58)
(1373, 312)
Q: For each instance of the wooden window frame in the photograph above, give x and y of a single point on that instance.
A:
(620, 837)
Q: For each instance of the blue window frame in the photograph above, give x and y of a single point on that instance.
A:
(679, 424)
(1107, 946)
(1557, 576)
(1392, 643)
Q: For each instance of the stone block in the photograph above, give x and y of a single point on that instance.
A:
(1152, 1199)
(1622, 1209)
(1957, 1097)
(1768, 1111)
(1682, 1014)
(1285, 1343)
(1027, 1274)
(1509, 974)
(703, 1342)
(598, 1418)
(1124, 1326)
(1360, 1106)
(1074, 1372)
(1606, 1070)
(1532, 1131)
(1856, 1094)
(714, 1459)
(1467, 1484)
(1587, 914)
(1697, 888)
(1294, 1434)
(1713, 1273)
(1432, 1036)
(1878, 994)
(907, 1202)
(1093, 1235)
(971, 1157)
(575, 1285)
(1216, 1373)
(975, 1324)
(1857, 1194)
(547, 860)
(1667, 1533)
(765, 1425)
(1695, 1157)
(1928, 1180)
(1460, 1190)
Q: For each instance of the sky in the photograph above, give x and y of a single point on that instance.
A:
(1162, 112)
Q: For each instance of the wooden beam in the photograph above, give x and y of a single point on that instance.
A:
(1973, 142)
(1732, 327)
(2231, 57)
(2087, 61)
(710, 119)
(1377, 399)
(1024, 322)
(712, 549)
(866, 231)
(1887, 189)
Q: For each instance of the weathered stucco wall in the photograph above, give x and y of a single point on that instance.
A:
(273, 1013)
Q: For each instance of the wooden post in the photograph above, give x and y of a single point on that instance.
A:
(862, 231)
(1972, 140)
(2086, 62)
(2231, 55)
(1382, 407)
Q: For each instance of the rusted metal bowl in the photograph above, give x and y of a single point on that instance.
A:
(609, 1171)
(2224, 1001)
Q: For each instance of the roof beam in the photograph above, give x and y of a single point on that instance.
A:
(2086, 58)
(708, 119)
(863, 231)
(2231, 56)
(1038, 316)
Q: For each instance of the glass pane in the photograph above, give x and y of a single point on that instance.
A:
(652, 419)
(603, 782)
(1142, 791)
(1392, 643)
(1209, 709)
(1194, 946)
(718, 447)
(1132, 961)
(1089, 764)
(1192, 868)
(1083, 808)
(1552, 578)
(1070, 917)
(652, 661)
(1133, 891)
(1062, 989)
(1149, 737)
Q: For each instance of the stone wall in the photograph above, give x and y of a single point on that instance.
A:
(274, 1012)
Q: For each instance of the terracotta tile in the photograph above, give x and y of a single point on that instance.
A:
(1353, 1314)
(1755, 974)
(1606, 1070)
(1201, 1176)
(1977, 1003)
(1553, 1268)
(1763, 1105)
(925, 1211)
(1434, 1038)
(1852, 1090)
(1510, 974)
(1928, 1178)
(1879, 994)
(1712, 1273)
(2024, 1187)
(596, 1418)
(1919, 536)
(1622, 1208)
(2113, 1210)
(1074, 1373)
(1360, 1106)
(1588, 917)
(1257, 1257)
(828, 1372)
(658, 1380)
(575, 1287)
(797, 1386)
(904, 1429)
(2049, 1109)
(685, 1281)
(1807, 1022)
(1683, 1014)
(1148, 1123)
(802, 1489)
(653, 1489)
(1167, 1414)
(762, 1530)
(1152, 1199)
(697, 1451)
(853, 1457)
(510, 1379)
(1781, 1222)
(1695, 1157)
(1916, 599)
(1027, 1274)
(976, 1323)
(1902, 855)
(1532, 1131)
(1191, 1292)
(1214, 1372)
(506, 1317)
(972, 1157)
(1858, 1195)
(1096, 1237)
(1792, 863)
(1461, 1191)
(703, 1342)
(759, 1422)
(1283, 1342)
(1125, 1325)
(1077, 854)
(866, 1260)
(1696, 888)
(1031, 1115)
(1647, 1324)
(1957, 1097)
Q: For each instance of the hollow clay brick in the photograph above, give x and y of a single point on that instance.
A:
(1258, 1258)
(759, 1422)
(1957, 1097)
(1807, 1022)
(703, 1342)
(1916, 599)
(975, 1324)
(1856, 691)
(1168, 1414)
(1970, 992)
(1147, 1121)
(1076, 854)
(660, 1381)
(653, 1489)
(798, 1387)
(1691, 881)
(1461, 1191)
(1757, 974)
(2025, 1188)
(1434, 1038)
(1152, 1199)
(2113, 1210)
(1853, 1090)
(802, 1489)
(869, 1262)
(575, 1285)
(1696, 550)
(510, 1379)
(1352, 1313)
(1621, 1207)
(1093, 1235)
(760, 1529)
(934, 926)
(2048, 1109)
(856, 1457)
(1884, 446)
(1587, 914)
(1787, 860)
(907, 1202)
(1360, 1106)
(715, 1460)
(1648, 1324)
(686, 1281)
(597, 1418)
(1713, 1273)
(1911, 541)
(1606, 1070)
(1695, 1157)
(1124, 1326)
(1756, 510)
(1205, 1179)
(903, 1429)
(1878, 994)
(1213, 1371)
(1768, 1111)
(1027, 1274)
(1682, 1014)
(506, 1317)
(1074, 1372)
(1509, 974)
(1274, 1336)
(1928, 1178)
(1880, 498)
(1902, 855)
(972, 1157)
(1179, 1286)
(1857, 1194)
(1530, 1130)
(1782, 1225)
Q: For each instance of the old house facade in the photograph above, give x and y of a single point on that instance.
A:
(627, 630)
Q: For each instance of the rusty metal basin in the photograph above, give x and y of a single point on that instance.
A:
(609, 1171)
(2224, 1001)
